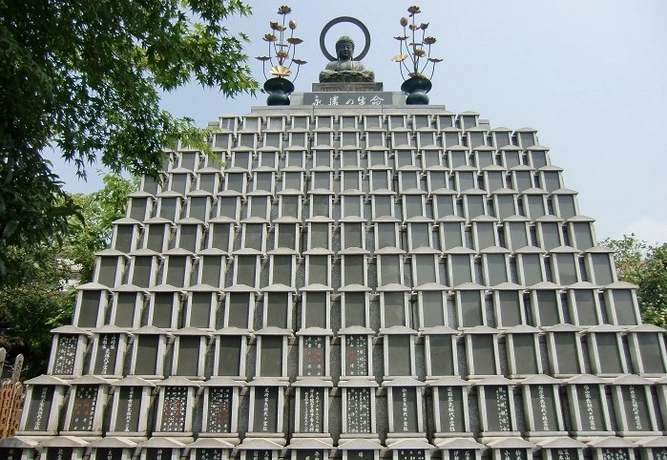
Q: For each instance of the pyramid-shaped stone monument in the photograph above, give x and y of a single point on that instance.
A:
(355, 278)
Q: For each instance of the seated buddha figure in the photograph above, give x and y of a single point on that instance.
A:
(345, 68)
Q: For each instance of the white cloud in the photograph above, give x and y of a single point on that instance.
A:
(648, 229)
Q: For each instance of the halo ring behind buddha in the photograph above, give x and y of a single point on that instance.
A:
(351, 20)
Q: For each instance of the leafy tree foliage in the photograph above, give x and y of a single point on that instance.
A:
(86, 78)
(29, 309)
(93, 233)
(37, 294)
(645, 265)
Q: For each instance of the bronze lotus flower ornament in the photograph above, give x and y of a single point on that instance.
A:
(280, 58)
(415, 47)
(415, 57)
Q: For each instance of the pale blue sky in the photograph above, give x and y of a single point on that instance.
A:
(589, 75)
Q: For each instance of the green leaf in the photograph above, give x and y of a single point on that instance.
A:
(9, 229)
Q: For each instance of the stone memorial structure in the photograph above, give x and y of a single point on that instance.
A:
(359, 279)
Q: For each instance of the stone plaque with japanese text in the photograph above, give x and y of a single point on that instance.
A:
(65, 355)
(40, 408)
(498, 413)
(266, 409)
(107, 351)
(452, 412)
(356, 355)
(83, 412)
(219, 410)
(404, 402)
(590, 408)
(313, 356)
(312, 409)
(174, 409)
(544, 407)
(358, 410)
(357, 99)
(636, 407)
(129, 405)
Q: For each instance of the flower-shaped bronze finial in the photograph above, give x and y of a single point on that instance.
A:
(415, 50)
(282, 45)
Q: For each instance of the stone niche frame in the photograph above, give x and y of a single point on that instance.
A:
(536, 388)
(438, 363)
(511, 448)
(653, 446)
(60, 446)
(254, 448)
(398, 394)
(352, 313)
(602, 448)
(120, 409)
(410, 449)
(473, 338)
(198, 449)
(222, 365)
(310, 448)
(169, 449)
(561, 447)
(44, 399)
(397, 357)
(108, 358)
(305, 405)
(359, 449)
(269, 385)
(234, 389)
(578, 391)
(506, 407)
(167, 410)
(460, 449)
(19, 447)
(628, 407)
(127, 305)
(441, 389)
(523, 364)
(266, 354)
(92, 301)
(314, 353)
(101, 448)
(650, 362)
(432, 302)
(80, 405)
(163, 340)
(358, 385)
(357, 342)
(73, 342)
(202, 340)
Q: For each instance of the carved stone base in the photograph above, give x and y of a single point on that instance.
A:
(348, 86)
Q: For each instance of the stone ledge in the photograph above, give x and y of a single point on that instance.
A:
(347, 86)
